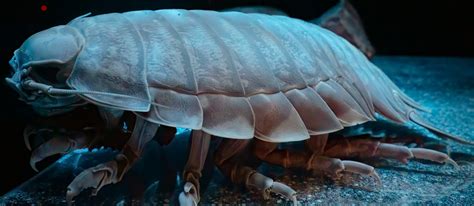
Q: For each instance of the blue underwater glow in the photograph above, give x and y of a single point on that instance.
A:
(181, 130)
(436, 83)
(66, 158)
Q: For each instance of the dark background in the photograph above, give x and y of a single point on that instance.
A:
(422, 28)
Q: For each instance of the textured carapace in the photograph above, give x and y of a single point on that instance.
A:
(231, 74)
(341, 19)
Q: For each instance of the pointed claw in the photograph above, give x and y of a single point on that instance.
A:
(377, 178)
(187, 199)
(30, 130)
(188, 187)
(188, 196)
(56, 145)
(453, 163)
(432, 155)
(260, 182)
(27, 132)
(362, 169)
(70, 194)
(295, 201)
(267, 185)
(95, 177)
(33, 165)
(285, 191)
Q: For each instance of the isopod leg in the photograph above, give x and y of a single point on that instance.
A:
(324, 161)
(228, 160)
(165, 135)
(113, 171)
(67, 139)
(269, 152)
(364, 148)
(311, 160)
(334, 167)
(62, 143)
(200, 142)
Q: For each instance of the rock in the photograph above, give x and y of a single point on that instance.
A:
(344, 20)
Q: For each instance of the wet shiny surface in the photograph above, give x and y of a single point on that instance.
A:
(445, 85)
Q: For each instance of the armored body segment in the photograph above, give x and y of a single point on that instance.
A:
(212, 71)
(249, 61)
(169, 63)
(112, 61)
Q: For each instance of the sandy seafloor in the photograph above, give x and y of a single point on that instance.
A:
(445, 85)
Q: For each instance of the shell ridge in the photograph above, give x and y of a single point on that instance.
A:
(224, 48)
(363, 72)
(252, 43)
(346, 71)
(93, 29)
(276, 120)
(176, 109)
(277, 39)
(358, 73)
(315, 46)
(321, 73)
(189, 61)
(339, 104)
(313, 110)
(348, 94)
(145, 65)
(228, 117)
(263, 39)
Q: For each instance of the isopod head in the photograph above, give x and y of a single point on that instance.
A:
(46, 57)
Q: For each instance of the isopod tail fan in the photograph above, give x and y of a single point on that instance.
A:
(416, 118)
(394, 104)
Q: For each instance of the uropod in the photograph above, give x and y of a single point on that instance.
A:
(226, 74)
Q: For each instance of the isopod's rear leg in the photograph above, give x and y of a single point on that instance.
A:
(200, 142)
(418, 140)
(311, 159)
(230, 159)
(393, 136)
(369, 148)
(112, 172)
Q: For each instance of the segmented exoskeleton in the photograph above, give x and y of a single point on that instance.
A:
(228, 74)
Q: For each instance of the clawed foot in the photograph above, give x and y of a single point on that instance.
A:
(432, 155)
(96, 177)
(335, 167)
(59, 142)
(361, 169)
(31, 131)
(190, 196)
(268, 185)
(403, 154)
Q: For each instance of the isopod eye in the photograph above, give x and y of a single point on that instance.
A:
(47, 75)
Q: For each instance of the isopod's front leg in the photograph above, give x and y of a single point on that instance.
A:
(200, 142)
(112, 172)
(60, 142)
(230, 159)
(70, 137)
